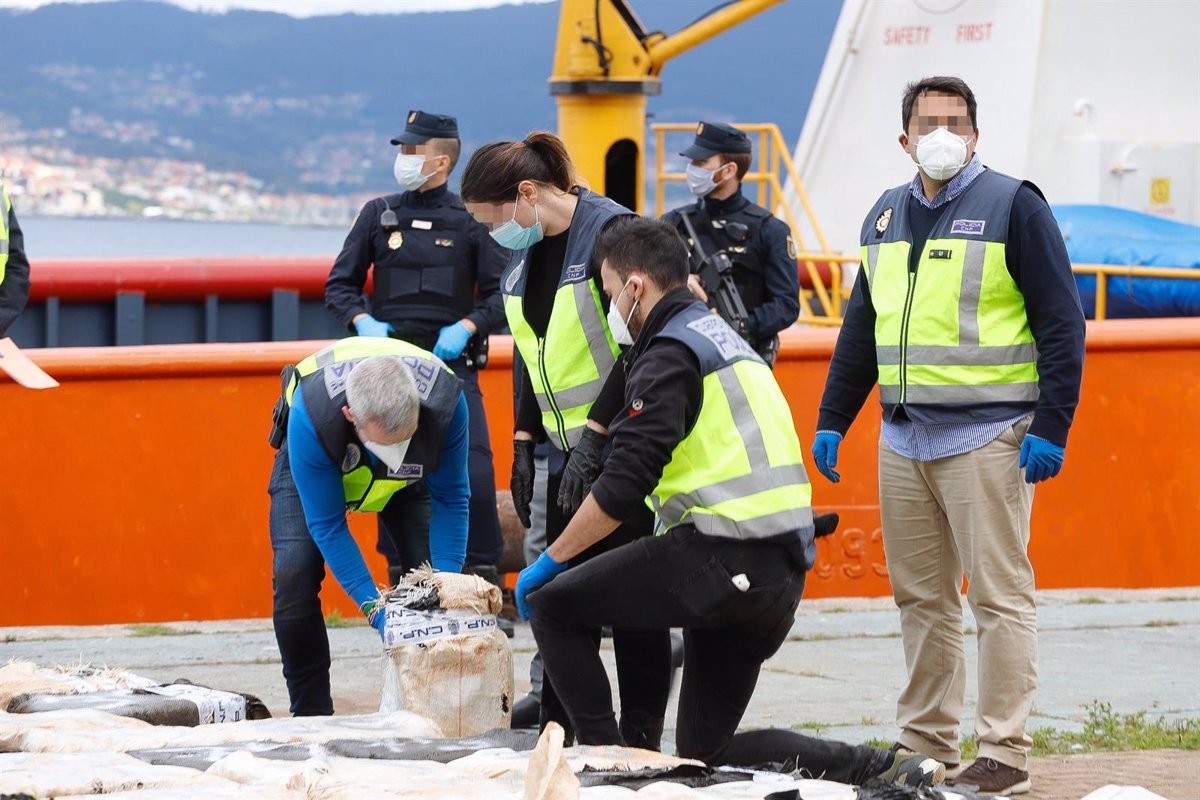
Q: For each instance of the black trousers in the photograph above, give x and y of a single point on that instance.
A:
(685, 579)
(643, 652)
(402, 528)
(403, 538)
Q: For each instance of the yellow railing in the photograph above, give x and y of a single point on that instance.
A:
(772, 155)
(1104, 271)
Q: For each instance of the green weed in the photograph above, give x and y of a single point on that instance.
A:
(157, 630)
(334, 619)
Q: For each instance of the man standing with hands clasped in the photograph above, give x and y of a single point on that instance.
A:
(436, 286)
(965, 312)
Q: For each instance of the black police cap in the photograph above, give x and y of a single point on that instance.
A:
(713, 138)
(422, 127)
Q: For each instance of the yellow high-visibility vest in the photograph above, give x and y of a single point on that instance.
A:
(568, 366)
(739, 472)
(954, 332)
(322, 378)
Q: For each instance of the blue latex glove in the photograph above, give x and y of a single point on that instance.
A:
(451, 341)
(824, 451)
(534, 577)
(1041, 459)
(369, 326)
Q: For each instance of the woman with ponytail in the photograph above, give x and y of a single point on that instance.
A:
(529, 195)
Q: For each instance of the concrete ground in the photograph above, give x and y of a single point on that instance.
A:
(838, 675)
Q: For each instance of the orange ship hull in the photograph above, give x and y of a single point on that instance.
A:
(136, 492)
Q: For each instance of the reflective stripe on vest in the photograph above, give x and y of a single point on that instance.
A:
(954, 332)
(739, 472)
(5, 207)
(568, 367)
(366, 488)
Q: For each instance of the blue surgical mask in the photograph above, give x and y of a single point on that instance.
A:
(700, 180)
(407, 169)
(514, 237)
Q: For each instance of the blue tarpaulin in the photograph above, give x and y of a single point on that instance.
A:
(1108, 235)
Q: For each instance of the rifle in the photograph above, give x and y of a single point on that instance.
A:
(716, 274)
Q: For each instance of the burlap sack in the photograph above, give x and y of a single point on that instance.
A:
(463, 681)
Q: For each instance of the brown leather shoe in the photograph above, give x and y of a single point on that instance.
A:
(989, 776)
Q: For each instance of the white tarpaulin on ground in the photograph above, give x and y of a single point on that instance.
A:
(25, 677)
(57, 732)
(549, 773)
(62, 774)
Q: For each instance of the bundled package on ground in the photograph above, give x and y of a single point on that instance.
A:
(447, 659)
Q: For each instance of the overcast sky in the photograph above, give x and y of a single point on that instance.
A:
(307, 8)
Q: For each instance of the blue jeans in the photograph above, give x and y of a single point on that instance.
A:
(297, 571)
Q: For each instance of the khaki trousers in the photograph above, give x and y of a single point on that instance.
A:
(966, 513)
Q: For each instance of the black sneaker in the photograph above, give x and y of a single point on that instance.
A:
(913, 769)
(989, 776)
(953, 768)
(527, 712)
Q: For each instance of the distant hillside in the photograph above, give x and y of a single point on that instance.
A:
(308, 104)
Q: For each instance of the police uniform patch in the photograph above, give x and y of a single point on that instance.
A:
(793, 253)
(727, 341)
(395, 240)
(407, 472)
(412, 118)
(968, 226)
(352, 458)
(883, 220)
(444, 242)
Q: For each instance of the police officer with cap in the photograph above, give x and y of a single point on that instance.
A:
(437, 286)
(759, 245)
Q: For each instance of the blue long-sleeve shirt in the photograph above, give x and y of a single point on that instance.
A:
(319, 482)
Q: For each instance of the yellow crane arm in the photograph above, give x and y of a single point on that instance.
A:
(702, 30)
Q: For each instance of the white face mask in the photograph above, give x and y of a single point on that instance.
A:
(407, 170)
(390, 454)
(620, 325)
(941, 154)
(700, 180)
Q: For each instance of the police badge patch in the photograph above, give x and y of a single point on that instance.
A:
(352, 458)
(395, 240)
(883, 220)
(412, 118)
(793, 253)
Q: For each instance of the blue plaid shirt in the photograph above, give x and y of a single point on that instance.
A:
(931, 442)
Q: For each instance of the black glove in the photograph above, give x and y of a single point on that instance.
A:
(825, 524)
(522, 478)
(583, 467)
